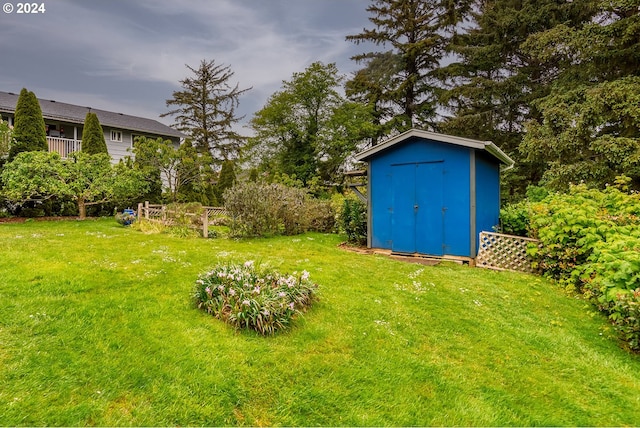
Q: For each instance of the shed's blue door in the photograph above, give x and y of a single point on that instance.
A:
(417, 223)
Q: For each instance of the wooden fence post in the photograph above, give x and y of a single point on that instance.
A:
(139, 209)
(205, 223)
(146, 210)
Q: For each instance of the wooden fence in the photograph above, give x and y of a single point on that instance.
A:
(165, 215)
(504, 252)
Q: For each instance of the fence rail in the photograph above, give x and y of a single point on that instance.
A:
(165, 215)
(504, 252)
(64, 146)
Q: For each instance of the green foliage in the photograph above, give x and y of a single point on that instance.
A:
(353, 220)
(588, 127)
(588, 135)
(307, 129)
(29, 131)
(6, 139)
(186, 173)
(226, 179)
(86, 179)
(416, 31)
(205, 109)
(625, 315)
(590, 241)
(259, 209)
(493, 81)
(145, 161)
(93, 136)
(514, 218)
(251, 298)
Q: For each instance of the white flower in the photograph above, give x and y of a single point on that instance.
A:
(249, 264)
(305, 275)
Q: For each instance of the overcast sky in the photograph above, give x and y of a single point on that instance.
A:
(128, 56)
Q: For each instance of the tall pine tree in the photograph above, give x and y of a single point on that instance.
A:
(400, 81)
(589, 126)
(205, 109)
(493, 82)
(93, 141)
(29, 131)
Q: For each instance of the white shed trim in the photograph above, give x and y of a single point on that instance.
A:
(489, 146)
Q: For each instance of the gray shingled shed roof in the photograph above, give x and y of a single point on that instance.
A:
(54, 110)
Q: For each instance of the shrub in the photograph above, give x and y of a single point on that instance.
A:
(260, 209)
(320, 215)
(590, 242)
(250, 298)
(353, 220)
(625, 316)
(514, 219)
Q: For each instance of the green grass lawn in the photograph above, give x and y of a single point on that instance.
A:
(97, 328)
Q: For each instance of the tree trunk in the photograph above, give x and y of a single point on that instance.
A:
(82, 209)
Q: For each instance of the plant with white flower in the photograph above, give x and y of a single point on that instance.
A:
(248, 297)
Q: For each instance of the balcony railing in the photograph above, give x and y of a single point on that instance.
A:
(63, 146)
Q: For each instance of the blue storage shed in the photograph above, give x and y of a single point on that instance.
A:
(432, 194)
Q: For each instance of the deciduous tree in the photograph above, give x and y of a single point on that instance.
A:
(185, 173)
(308, 129)
(87, 179)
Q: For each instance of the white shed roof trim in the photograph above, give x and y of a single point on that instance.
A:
(489, 146)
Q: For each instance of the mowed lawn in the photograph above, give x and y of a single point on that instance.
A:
(97, 328)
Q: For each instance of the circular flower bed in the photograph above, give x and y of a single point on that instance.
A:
(251, 298)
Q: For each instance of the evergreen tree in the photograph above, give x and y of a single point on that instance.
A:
(226, 180)
(494, 81)
(93, 136)
(205, 109)
(401, 82)
(589, 126)
(29, 130)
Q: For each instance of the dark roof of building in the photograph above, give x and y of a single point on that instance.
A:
(54, 110)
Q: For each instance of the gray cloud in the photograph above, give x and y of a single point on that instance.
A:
(128, 56)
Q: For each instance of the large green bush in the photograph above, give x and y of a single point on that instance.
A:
(590, 242)
(260, 209)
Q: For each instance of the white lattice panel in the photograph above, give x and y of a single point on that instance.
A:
(505, 252)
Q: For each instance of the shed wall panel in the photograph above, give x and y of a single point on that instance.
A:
(487, 193)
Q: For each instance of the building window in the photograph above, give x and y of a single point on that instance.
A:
(116, 136)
